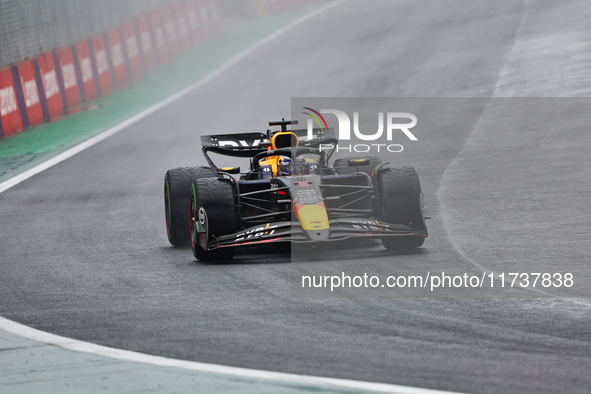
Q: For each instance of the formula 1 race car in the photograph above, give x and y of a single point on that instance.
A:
(290, 194)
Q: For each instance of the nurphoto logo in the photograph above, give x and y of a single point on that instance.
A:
(391, 119)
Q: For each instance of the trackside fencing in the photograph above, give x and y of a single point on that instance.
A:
(55, 64)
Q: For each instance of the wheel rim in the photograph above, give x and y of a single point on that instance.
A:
(167, 206)
(192, 224)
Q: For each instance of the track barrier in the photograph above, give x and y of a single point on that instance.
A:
(66, 80)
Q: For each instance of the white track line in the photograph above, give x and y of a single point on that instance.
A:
(126, 355)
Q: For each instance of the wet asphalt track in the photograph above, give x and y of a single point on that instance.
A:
(84, 253)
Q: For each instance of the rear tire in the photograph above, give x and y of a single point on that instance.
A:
(342, 165)
(177, 192)
(217, 198)
(401, 203)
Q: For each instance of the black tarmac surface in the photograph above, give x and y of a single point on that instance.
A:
(84, 253)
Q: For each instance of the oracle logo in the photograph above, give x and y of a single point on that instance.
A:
(203, 14)
(170, 31)
(159, 36)
(50, 83)
(193, 22)
(132, 49)
(7, 101)
(117, 55)
(69, 74)
(240, 143)
(146, 42)
(86, 69)
(214, 11)
(182, 27)
(31, 92)
(102, 63)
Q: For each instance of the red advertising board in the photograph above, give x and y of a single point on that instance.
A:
(170, 30)
(102, 64)
(132, 46)
(117, 56)
(10, 115)
(85, 63)
(71, 88)
(51, 86)
(30, 90)
(159, 37)
(181, 22)
(193, 20)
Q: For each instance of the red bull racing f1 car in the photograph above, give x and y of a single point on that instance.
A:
(290, 193)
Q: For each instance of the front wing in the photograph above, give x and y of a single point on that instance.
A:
(287, 231)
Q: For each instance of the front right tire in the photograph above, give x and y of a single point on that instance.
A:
(401, 202)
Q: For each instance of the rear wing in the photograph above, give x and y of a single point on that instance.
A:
(248, 145)
(240, 144)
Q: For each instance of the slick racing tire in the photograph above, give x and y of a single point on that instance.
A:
(400, 202)
(213, 203)
(177, 193)
(342, 165)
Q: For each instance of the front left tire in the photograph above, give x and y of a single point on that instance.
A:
(217, 199)
(177, 193)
